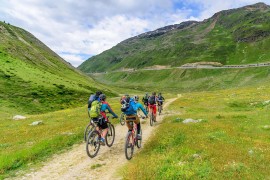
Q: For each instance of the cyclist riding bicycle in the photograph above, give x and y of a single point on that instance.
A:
(103, 121)
(145, 101)
(131, 108)
(161, 99)
(93, 97)
(152, 100)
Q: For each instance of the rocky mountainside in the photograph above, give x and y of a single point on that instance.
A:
(34, 79)
(236, 36)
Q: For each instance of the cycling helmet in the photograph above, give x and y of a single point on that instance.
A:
(154, 93)
(136, 98)
(98, 93)
(102, 97)
(159, 94)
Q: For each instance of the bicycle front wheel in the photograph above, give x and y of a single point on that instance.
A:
(87, 130)
(122, 119)
(129, 145)
(109, 138)
(92, 144)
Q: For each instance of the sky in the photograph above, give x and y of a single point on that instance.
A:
(78, 30)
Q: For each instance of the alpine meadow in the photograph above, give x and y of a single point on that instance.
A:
(214, 75)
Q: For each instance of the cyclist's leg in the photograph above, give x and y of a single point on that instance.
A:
(128, 119)
(137, 121)
(155, 111)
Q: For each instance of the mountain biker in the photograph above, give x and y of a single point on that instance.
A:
(152, 101)
(123, 98)
(93, 97)
(145, 101)
(103, 122)
(161, 99)
(131, 114)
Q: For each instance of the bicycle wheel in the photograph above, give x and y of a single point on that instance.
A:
(151, 118)
(109, 138)
(92, 144)
(159, 110)
(122, 119)
(87, 130)
(129, 145)
(139, 142)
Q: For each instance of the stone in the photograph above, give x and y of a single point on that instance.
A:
(19, 117)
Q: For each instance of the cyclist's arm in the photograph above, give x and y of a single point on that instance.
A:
(105, 107)
(140, 106)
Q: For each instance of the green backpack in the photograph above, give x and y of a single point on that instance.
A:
(95, 109)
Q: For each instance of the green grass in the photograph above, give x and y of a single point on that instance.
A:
(229, 142)
(186, 80)
(22, 144)
(33, 79)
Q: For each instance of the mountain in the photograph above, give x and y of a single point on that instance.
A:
(236, 36)
(34, 79)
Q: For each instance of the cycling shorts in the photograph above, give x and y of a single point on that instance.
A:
(154, 107)
(101, 122)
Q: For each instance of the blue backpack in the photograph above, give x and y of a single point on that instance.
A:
(129, 106)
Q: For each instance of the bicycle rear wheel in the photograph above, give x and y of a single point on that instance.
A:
(159, 110)
(122, 119)
(92, 144)
(87, 130)
(129, 145)
(151, 118)
(109, 138)
(139, 142)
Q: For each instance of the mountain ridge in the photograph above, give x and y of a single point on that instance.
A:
(219, 38)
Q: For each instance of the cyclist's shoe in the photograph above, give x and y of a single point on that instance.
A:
(102, 141)
(139, 137)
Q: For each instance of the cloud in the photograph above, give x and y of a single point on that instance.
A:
(75, 29)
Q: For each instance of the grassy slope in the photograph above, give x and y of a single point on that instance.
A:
(230, 37)
(179, 80)
(232, 141)
(34, 79)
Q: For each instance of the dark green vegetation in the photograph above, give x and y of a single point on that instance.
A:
(34, 79)
(186, 80)
(230, 142)
(237, 36)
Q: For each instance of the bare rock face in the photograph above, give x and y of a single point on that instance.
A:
(18, 117)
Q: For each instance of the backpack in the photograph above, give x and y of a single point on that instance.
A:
(95, 109)
(128, 106)
(91, 99)
(145, 99)
(152, 100)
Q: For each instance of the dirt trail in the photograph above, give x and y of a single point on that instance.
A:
(75, 164)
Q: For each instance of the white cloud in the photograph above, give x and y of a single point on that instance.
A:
(75, 29)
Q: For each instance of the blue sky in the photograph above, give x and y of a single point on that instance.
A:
(77, 30)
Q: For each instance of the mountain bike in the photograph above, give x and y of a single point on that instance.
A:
(151, 116)
(122, 119)
(159, 106)
(132, 141)
(93, 138)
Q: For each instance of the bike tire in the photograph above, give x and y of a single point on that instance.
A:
(122, 119)
(92, 142)
(110, 136)
(159, 110)
(129, 145)
(139, 142)
(151, 119)
(87, 130)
